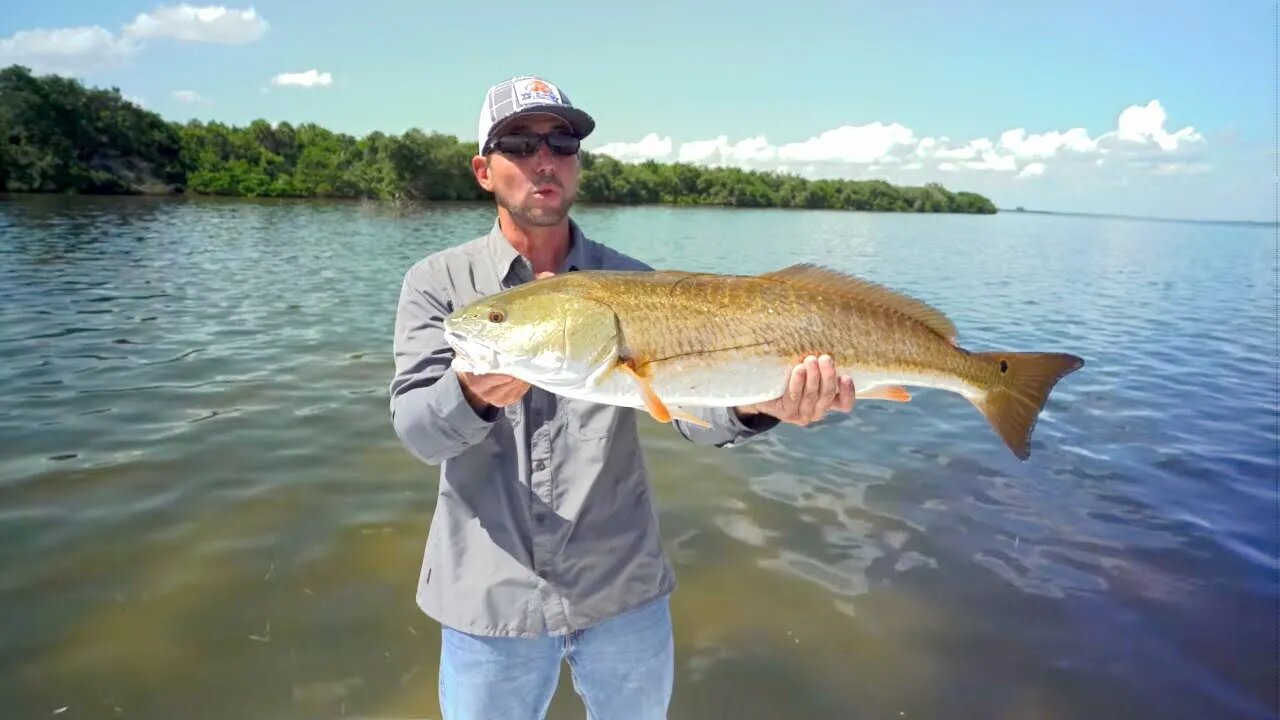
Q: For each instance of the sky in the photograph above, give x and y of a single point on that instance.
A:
(1140, 107)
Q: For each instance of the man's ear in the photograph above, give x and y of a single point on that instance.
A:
(480, 168)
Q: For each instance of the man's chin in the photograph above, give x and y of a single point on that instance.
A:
(540, 216)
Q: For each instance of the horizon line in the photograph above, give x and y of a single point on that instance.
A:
(1126, 216)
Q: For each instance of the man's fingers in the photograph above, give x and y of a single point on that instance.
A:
(828, 387)
(492, 381)
(495, 388)
(845, 397)
(795, 388)
(514, 390)
(512, 396)
(507, 396)
(812, 387)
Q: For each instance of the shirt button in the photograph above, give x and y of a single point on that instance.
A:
(540, 465)
(539, 517)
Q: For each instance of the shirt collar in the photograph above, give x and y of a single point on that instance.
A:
(508, 261)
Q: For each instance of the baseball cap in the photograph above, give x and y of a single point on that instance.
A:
(528, 95)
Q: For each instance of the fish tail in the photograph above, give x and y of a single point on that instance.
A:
(1022, 386)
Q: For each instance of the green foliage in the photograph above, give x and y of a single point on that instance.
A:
(58, 136)
(607, 180)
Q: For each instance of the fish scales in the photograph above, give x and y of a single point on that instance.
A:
(664, 340)
(668, 315)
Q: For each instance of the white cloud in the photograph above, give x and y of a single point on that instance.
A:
(211, 23)
(67, 51)
(925, 147)
(650, 147)
(749, 152)
(1046, 145)
(310, 78)
(980, 154)
(1145, 124)
(1139, 142)
(711, 152)
(850, 144)
(87, 49)
(1031, 170)
(190, 97)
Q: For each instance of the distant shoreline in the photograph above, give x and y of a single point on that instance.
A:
(426, 204)
(410, 205)
(1122, 216)
(65, 137)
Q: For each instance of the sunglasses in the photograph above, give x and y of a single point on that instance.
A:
(525, 144)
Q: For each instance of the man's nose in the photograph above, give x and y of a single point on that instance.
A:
(543, 158)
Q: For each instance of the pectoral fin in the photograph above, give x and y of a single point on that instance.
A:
(654, 404)
(893, 393)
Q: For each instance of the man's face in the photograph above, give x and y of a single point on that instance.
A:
(538, 189)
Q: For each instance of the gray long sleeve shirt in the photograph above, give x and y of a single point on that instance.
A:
(544, 521)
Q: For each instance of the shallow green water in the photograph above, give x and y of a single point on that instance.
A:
(204, 512)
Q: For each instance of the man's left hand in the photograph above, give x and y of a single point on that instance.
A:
(812, 390)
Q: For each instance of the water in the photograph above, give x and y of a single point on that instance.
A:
(204, 512)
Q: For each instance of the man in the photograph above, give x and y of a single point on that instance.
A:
(544, 543)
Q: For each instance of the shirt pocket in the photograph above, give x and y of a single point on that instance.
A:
(592, 421)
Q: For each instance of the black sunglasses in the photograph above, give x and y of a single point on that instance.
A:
(525, 144)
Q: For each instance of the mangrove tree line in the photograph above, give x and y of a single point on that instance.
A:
(57, 135)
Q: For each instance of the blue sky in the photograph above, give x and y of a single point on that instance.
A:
(1163, 109)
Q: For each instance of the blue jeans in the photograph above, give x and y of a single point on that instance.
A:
(622, 668)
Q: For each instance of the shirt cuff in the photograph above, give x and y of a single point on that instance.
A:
(750, 424)
(727, 428)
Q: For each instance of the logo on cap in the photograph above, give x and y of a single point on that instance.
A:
(537, 91)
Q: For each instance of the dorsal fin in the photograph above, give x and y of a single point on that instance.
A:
(818, 277)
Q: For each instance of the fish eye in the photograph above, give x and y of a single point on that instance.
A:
(496, 316)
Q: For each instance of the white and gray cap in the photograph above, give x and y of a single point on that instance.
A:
(528, 95)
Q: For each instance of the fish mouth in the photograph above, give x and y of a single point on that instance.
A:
(471, 356)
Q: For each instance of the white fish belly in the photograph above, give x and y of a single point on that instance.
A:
(742, 382)
(726, 384)
(864, 380)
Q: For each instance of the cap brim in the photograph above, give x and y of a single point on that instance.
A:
(581, 123)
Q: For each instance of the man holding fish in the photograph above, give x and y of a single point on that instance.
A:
(521, 357)
(544, 544)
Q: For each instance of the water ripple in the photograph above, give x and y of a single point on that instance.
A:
(197, 445)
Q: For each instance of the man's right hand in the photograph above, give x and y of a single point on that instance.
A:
(493, 389)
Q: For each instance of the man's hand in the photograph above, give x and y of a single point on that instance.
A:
(491, 389)
(812, 390)
(494, 389)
